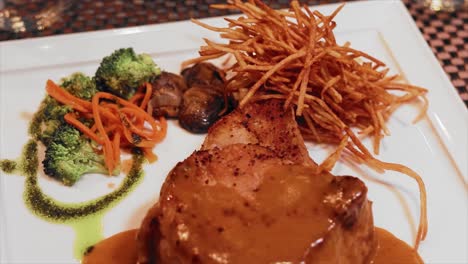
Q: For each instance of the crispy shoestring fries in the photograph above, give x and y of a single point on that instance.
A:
(293, 56)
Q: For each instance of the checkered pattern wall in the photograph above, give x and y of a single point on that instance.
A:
(446, 33)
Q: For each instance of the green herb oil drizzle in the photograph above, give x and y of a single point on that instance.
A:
(85, 218)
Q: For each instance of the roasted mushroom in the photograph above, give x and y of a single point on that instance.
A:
(168, 90)
(204, 74)
(200, 108)
(204, 101)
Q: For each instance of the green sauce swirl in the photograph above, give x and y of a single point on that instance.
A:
(85, 217)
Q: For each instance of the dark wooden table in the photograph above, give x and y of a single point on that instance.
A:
(446, 33)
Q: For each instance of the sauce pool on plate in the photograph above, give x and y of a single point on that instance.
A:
(118, 249)
(122, 249)
(393, 250)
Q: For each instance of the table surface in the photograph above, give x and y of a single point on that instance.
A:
(445, 32)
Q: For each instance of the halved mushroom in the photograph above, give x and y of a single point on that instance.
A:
(168, 90)
(204, 74)
(200, 108)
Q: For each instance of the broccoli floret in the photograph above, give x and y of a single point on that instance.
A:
(69, 155)
(52, 113)
(80, 86)
(123, 72)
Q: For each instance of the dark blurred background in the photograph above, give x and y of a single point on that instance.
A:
(445, 32)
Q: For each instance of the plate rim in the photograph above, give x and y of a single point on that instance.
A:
(396, 6)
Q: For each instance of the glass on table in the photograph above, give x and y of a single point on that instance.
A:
(30, 15)
(446, 5)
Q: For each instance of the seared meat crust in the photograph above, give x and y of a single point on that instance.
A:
(264, 123)
(252, 195)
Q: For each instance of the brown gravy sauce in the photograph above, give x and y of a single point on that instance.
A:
(117, 249)
(121, 249)
(393, 250)
(281, 190)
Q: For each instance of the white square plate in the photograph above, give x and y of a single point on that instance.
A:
(436, 147)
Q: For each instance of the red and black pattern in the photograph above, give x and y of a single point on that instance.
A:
(446, 33)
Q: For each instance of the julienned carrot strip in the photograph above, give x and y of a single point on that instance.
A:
(107, 146)
(149, 109)
(136, 130)
(119, 100)
(65, 97)
(128, 135)
(93, 128)
(117, 122)
(107, 112)
(145, 144)
(113, 108)
(137, 140)
(163, 130)
(145, 116)
(135, 98)
(150, 156)
(70, 118)
(111, 128)
(116, 145)
(149, 91)
(87, 115)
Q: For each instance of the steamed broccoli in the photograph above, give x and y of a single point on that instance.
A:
(52, 112)
(79, 85)
(51, 115)
(122, 72)
(69, 155)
